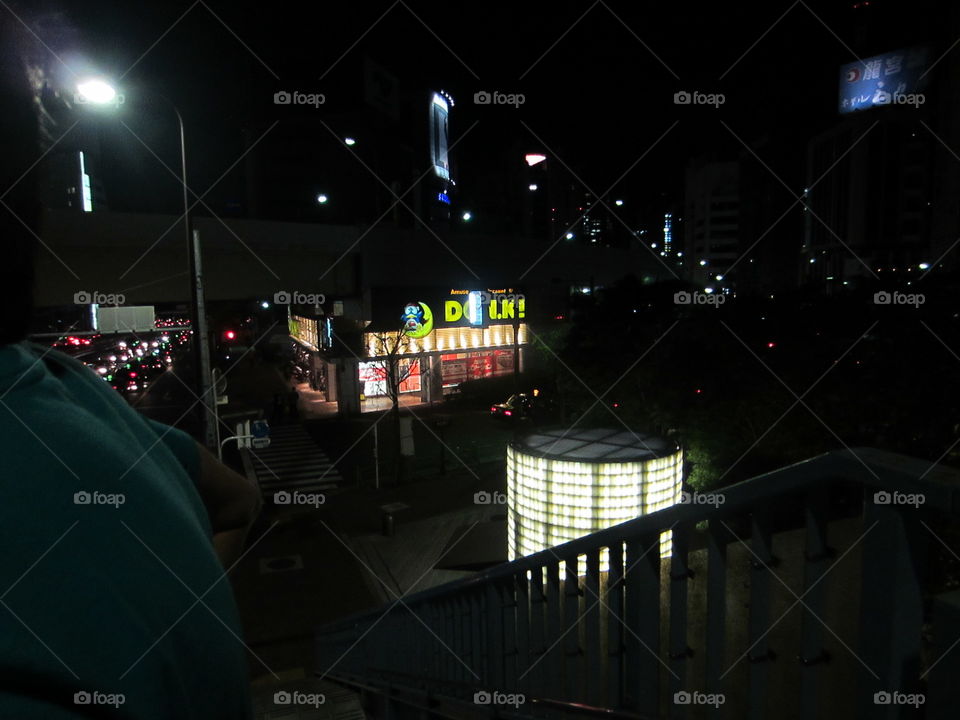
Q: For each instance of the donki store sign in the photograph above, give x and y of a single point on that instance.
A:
(461, 308)
(479, 308)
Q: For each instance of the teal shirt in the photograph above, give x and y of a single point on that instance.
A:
(98, 598)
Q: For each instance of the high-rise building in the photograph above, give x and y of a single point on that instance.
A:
(869, 214)
(883, 181)
(712, 241)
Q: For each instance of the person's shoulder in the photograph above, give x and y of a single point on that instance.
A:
(53, 358)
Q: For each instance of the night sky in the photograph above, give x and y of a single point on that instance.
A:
(598, 78)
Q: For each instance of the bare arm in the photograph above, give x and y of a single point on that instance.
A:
(232, 502)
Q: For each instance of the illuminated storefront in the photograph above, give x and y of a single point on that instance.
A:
(437, 338)
(564, 485)
(445, 338)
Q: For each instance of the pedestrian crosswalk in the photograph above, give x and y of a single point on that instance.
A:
(291, 464)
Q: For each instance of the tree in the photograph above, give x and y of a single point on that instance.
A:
(398, 364)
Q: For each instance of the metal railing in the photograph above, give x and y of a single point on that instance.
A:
(820, 590)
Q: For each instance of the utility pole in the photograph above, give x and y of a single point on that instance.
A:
(516, 341)
(208, 395)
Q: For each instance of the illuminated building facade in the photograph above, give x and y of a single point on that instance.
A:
(433, 338)
(562, 485)
(447, 338)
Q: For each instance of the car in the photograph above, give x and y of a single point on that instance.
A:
(517, 406)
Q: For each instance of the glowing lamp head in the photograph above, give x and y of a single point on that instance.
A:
(97, 92)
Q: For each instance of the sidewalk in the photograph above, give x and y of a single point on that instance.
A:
(322, 563)
(313, 404)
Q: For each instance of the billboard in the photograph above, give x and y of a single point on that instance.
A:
(439, 135)
(125, 319)
(420, 311)
(894, 78)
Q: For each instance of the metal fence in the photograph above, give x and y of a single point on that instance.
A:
(821, 590)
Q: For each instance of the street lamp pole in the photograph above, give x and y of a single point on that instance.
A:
(198, 315)
(100, 92)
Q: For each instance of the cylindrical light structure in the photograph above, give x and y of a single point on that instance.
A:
(562, 485)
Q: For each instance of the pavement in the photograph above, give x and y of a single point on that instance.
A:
(308, 565)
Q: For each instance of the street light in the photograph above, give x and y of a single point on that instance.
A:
(100, 92)
(467, 216)
(322, 198)
(96, 91)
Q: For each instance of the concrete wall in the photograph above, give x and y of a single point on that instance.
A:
(144, 257)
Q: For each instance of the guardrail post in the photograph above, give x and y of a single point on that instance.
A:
(553, 674)
(718, 537)
(891, 604)
(613, 696)
(538, 647)
(642, 661)
(495, 645)
(680, 651)
(944, 661)
(592, 657)
(760, 655)
(571, 626)
(813, 657)
(521, 590)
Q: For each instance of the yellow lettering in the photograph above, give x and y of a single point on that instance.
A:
(452, 311)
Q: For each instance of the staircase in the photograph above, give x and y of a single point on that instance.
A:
(292, 463)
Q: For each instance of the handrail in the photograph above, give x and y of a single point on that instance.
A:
(617, 642)
(839, 465)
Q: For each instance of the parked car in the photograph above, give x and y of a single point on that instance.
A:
(517, 406)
